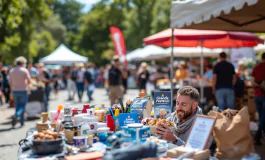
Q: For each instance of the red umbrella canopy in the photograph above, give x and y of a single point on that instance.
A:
(211, 38)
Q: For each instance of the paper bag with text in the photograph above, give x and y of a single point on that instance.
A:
(232, 133)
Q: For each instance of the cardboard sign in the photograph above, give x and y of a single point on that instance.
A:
(200, 132)
(162, 104)
(125, 118)
(142, 107)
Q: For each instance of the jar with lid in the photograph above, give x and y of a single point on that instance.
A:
(89, 126)
(70, 131)
(68, 121)
(103, 134)
(67, 109)
(100, 114)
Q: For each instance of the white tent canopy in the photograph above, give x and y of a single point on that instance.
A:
(230, 15)
(142, 53)
(260, 48)
(63, 55)
(193, 52)
(158, 53)
(133, 54)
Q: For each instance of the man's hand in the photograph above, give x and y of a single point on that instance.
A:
(165, 132)
(119, 67)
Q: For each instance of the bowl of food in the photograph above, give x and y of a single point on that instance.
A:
(154, 123)
(47, 142)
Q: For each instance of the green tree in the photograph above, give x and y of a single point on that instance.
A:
(161, 14)
(138, 22)
(69, 12)
(136, 18)
(57, 29)
(94, 36)
(42, 44)
(17, 25)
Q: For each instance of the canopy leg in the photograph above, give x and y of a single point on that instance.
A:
(202, 100)
(171, 69)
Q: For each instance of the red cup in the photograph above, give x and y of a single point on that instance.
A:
(110, 122)
(85, 107)
(74, 112)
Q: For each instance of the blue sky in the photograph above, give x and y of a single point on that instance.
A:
(88, 4)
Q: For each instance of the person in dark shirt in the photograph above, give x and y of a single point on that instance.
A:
(55, 79)
(5, 84)
(45, 77)
(65, 75)
(115, 78)
(258, 75)
(89, 80)
(224, 79)
(143, 77)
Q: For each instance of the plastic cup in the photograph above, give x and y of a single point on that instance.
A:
(44, 116)
(100, 114)
(110, 122)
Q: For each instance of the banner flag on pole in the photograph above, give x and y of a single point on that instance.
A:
(119, 43)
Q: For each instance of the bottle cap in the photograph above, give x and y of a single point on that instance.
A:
(117, 112)
(60, 107)
(86, 106)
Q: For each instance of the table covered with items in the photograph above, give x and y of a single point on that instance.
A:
(127, 131)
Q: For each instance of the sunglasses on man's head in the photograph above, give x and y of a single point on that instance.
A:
(116, 60)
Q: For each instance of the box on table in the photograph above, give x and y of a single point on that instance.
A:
(135, 134)
(198, 155)
(124, 119)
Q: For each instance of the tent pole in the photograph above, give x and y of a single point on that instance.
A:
(201, 77)
(171, 68)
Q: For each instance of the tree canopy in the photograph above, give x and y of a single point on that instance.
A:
(35, 28)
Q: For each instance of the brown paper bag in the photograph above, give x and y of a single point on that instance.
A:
(232, 134)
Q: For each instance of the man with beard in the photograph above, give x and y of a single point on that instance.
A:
(186, 110)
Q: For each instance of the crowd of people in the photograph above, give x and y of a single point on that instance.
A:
(226, 81)
(17, 83)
